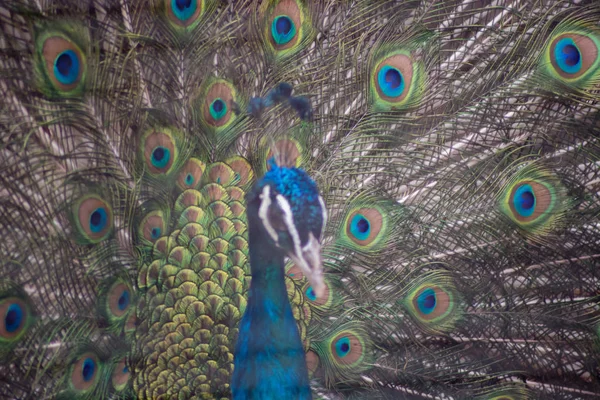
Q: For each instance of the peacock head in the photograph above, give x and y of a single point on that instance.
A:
(293, 214)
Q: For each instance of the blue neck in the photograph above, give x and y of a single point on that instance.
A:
(269, 357)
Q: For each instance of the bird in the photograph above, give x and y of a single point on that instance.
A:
(448, 245)
(286, 216)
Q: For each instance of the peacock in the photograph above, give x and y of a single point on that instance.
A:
(397, 199)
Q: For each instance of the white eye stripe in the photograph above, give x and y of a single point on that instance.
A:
(324, 210)
(289, 222)
(265, 203)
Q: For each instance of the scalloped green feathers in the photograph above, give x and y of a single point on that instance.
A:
(287, 26)
(397, 80)
(535, 201)
(190, 175)
(572, 55)
(433, 302)
(60, 59)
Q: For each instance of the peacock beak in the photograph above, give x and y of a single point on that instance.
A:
(308, 259)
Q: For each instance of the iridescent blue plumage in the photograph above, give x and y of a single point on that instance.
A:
(285, 216)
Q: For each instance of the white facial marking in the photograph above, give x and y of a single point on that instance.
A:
(265, 203)
(324, 211)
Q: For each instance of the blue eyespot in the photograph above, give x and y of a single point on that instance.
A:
(524, 200)
(218, 109)
(125, 369)
(283, 29)
(66, 67)
(427, 301)
(98, 220)
(342, 347)
(189, 180)
(310, 293)
(184, 9)
(160, 157)
(124, 300)
(568, 56)
(155, 233)
(390, 81)
(360, 227)
(13, 319)
(88, 370)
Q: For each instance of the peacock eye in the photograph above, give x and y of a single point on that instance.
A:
(184, 13)
(218, 109)
(283, 29)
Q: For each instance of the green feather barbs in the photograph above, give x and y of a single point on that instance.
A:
(572, 55)
(60, 59)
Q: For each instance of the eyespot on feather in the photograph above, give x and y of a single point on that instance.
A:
(364, 225)
(153, 226)
(287, 153)
(119, 299)
(535, 201)
(432, 302)
(64, 63)
(397, 82)
(94, 218)
(15, 314)
(60, 59)
(120, 376)
(217, 104)
(347, 348)
(323, 301)
(191, 174)
(295, 272)
(85, 371)
(242, 170)
(284, 25)
(312, 361)
(573, 55)
(159, 152)
(184, 13)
